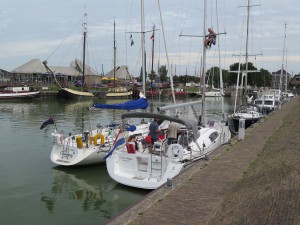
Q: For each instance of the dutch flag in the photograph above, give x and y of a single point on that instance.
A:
(120, 140)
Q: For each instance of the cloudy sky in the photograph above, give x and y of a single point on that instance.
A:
(52, 31)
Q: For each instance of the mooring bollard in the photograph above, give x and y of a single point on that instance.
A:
(241, 135)
(169, 182)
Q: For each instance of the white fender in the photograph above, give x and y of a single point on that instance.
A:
(174, 151)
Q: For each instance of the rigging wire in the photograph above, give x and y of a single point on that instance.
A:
(81, 18)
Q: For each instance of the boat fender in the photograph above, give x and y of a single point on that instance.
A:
(101, 136)
(174, 151)
(79, 142)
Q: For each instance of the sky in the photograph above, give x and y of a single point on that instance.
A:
(52, 31)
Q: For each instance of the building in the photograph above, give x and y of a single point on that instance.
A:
(285, 79)
(37, 72)
(295, 81)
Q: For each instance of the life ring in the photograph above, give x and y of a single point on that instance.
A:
(96, 139)
(175, 151)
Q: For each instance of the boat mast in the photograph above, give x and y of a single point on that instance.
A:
(286, 72)
(247, 44)
(203, 66)
(220, 69)
(143, 47)
(114, 53)
(281, 72)
(167, 55)
(84, 45)
(152, 71)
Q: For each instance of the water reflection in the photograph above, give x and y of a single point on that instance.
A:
(86, 186)
(91, 189)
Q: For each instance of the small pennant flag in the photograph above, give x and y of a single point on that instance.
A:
(152, 37)
(131, 40)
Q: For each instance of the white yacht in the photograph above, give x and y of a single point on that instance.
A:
(150, 166)
(89, 147)
(268, 100)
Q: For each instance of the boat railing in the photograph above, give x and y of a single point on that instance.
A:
(158, 150)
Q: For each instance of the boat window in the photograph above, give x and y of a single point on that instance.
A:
(213, 136)
(268, 102)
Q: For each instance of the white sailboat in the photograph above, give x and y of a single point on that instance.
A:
(150, 166)
(250, 112)
(89, 147)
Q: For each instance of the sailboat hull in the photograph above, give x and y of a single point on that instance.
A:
(72, 94)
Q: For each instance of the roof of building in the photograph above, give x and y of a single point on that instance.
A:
(36, 66)
(279, 72)
(120, 73)
(33, 66)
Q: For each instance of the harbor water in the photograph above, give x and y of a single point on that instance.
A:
(33, 190)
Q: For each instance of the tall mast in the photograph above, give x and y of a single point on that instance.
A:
(84, 44)
(247, 43)
(203, 66)
(220, 69)
(114, 53)
(152, 71)
(286, 71)
(167, 55)
(143, 47)
(281, 73)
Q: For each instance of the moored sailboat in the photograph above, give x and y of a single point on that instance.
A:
(150, 166)
(77, 94)
(18, 92)
(89, 147)
(249, 112)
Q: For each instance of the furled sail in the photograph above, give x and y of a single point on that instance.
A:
(140, 103)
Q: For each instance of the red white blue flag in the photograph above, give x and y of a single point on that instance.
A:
(120, 140)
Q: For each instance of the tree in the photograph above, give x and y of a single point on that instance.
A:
(163, 73)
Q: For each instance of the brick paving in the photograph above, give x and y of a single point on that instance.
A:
(198, 192)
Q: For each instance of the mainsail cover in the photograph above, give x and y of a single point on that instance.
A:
(140, 103)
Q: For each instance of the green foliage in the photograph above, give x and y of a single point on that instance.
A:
(261, 78)
(163, 73)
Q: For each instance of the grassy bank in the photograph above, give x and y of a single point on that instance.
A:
(269, 191)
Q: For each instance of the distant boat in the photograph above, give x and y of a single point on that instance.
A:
(268, 100)
(75, 94)
(18, 92)
(251, 113)
(178, 92)
(117, 92)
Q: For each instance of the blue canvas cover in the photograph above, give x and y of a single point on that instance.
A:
(141, 103)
